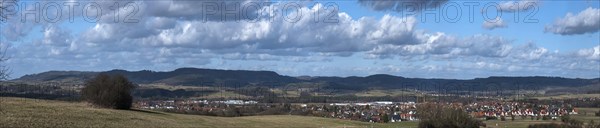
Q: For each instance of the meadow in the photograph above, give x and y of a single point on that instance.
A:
(23, 112)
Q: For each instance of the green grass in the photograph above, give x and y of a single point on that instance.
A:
(379, 93)
(175, 87)
(22, 112)
(518, 123)
(568, 96)
(587, 114)
(224, 94)
(286, 93)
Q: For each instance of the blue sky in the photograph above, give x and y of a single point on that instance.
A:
(561, 38)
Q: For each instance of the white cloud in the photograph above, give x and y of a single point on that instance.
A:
(496, 23)
(534, 53)
(586, 21)
(165, 40)
(521, 5)
(393, 30)
(446, 46)
(53, 35)
(591, 53)
(398, 5)
(278, 37)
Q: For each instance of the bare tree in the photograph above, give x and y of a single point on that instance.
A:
(4, 71)
(109, 91)
(5, 8)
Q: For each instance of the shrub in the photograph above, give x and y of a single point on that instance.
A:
(565, 118)
(546, 118)
(592, 124)
(385, 118)
(574, 124)
(571, 123)
(438, 116)
(108, 91)
(550, 125)
(491, 118)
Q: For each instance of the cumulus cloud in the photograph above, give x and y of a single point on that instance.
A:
(530, 51)
(446, 46)
(591, 53)
(402, 5)
(278, 37)
(55, 35)
(13, 29)
(160, 40)
(496, 23)
(171, 38)
(586, 21)
(522, 5)
(210, 10)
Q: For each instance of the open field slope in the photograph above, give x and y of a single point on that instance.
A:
(587, 114)
(21, 112)
(568, 96)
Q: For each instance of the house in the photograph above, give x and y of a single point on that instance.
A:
(395, 118)
(573, 112)
(410, 116)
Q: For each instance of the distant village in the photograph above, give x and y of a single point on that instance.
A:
(379, 111)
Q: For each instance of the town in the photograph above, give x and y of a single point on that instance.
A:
(379, 111)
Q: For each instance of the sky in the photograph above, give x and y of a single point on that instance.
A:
(410, 38)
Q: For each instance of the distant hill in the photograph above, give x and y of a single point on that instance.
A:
(181, 76)
(196, 76)
(57, 76)
(237, 78)
(383, 81)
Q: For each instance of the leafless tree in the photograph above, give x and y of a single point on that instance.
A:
(109, 91)
(5, 8)
(4, 71)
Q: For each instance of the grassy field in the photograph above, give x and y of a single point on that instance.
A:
(175, 87)
(568, 96)
(519, 123)
(587, 114)
(392, 92)
(21, 112)
(286, 93)
(224, 94)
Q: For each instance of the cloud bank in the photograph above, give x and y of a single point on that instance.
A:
(586, 21)
(165, 38)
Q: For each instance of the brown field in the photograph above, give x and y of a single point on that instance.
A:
(22, 112)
